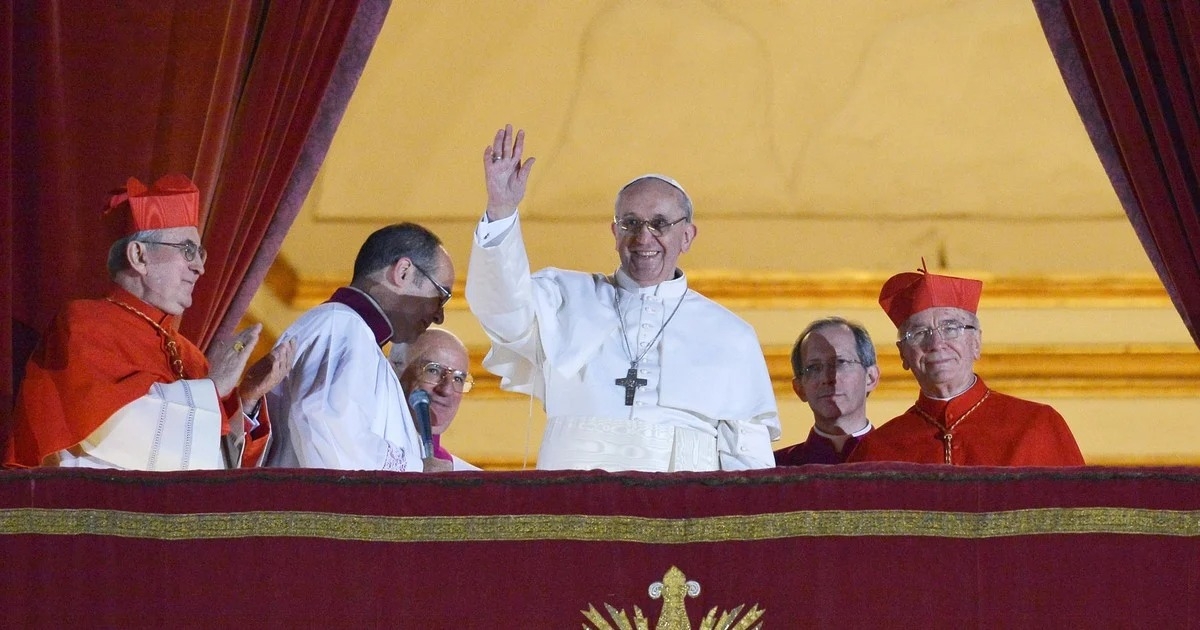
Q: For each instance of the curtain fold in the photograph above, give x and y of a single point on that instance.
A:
(100, 91)
(9, 370)
(302, 50)
(225, 91)
(355, 50)
(1132, 68)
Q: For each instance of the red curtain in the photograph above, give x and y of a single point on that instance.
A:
(1132, 68)
(306, 61)
(7, 330)
(243, 96)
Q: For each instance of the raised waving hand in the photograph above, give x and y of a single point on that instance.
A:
(505, 174)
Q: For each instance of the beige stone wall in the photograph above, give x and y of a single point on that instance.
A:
(826, 145)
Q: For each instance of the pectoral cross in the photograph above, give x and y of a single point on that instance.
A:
(631, 382)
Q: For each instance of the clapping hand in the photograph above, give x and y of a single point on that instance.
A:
(266, 373)
(226, 360)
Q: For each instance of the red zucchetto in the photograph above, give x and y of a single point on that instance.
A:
(905, 294)
(172, 201)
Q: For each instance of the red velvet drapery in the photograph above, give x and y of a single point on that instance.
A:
(854, 546)
(280, 98)
(243, 96)
(1133, 69)
(7, 330)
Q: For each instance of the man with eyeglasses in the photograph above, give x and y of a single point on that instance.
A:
(342, 405)
(438, 363)
(957, 418)
(833, 370)
(635, 370)
(114, 385)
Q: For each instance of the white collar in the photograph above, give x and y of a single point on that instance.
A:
(859, 433)
(672, 288)
(973, 379)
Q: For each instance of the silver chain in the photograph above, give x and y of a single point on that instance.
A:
(625, 338)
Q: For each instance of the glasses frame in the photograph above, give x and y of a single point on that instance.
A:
(839, 365)
(637, 225)
(189, 248)
(445, 293)
(468, 381)
(910, 337)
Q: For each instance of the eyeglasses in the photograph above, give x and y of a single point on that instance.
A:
(840, 365)
(436, 373)
(190, 250)
(921, 336)
(657, 226)
(441, 289)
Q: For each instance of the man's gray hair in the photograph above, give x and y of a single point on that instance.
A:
(685, 203)
(863, 345)
(117, 260)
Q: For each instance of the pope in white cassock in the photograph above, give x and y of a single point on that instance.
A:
(636, 371)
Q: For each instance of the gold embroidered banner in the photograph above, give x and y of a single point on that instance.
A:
(582, 527)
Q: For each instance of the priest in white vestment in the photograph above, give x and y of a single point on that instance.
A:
(636, 371)
(341, 405)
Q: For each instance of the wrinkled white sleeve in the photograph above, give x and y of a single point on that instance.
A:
(500, 294)
(342, 392)
(745, 443)
(175, 426)
(489, 233)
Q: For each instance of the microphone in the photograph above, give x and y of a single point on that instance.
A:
(419, 401)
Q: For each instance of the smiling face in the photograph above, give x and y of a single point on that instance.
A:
(646, 257)
(164, 277)
(836, 394)
(943, 367)
(442, 347)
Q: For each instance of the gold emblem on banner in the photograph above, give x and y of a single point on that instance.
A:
(673, 589)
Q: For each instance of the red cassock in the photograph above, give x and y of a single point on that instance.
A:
(987, 428)
(96, 358)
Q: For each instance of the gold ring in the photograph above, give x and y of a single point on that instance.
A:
(238, 346)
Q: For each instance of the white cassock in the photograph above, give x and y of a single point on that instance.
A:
(707, 403)
(175, 426)
(341, 405)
